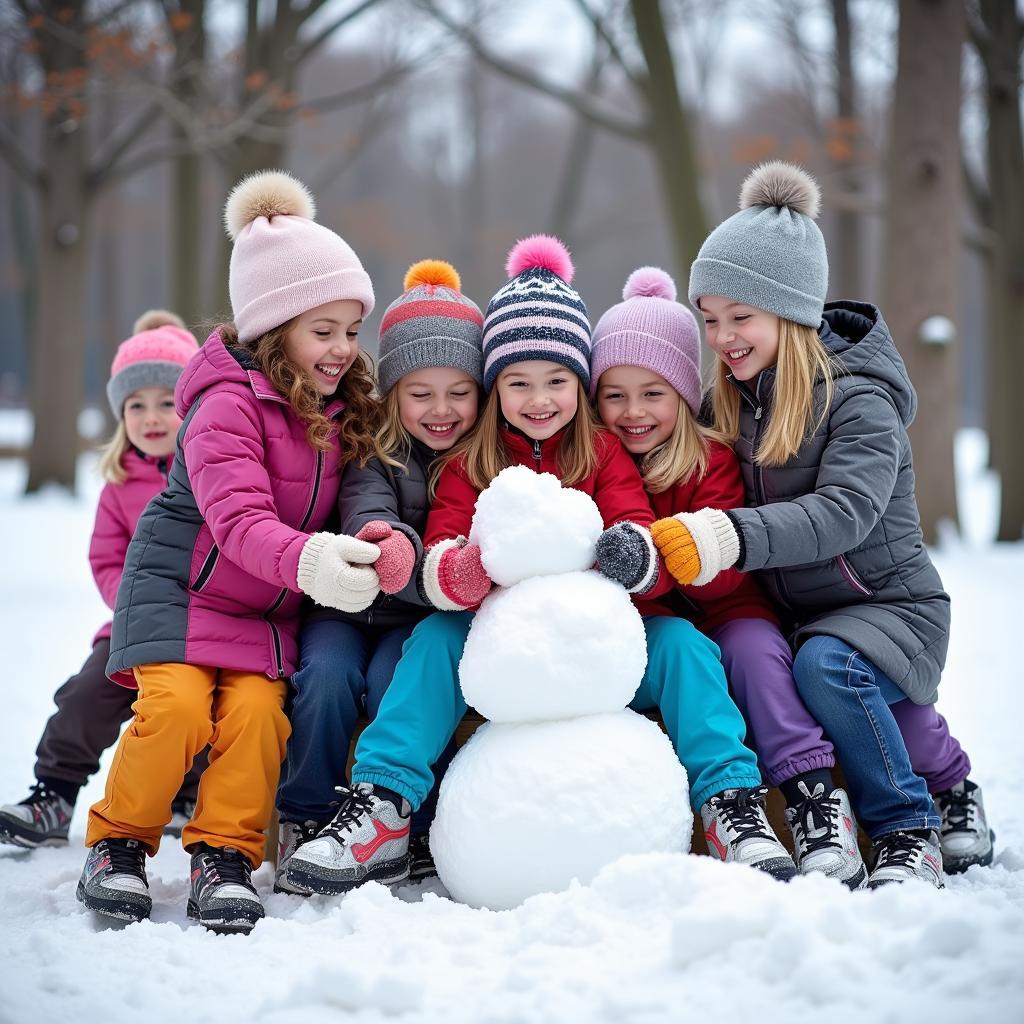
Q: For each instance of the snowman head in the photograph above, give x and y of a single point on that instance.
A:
(528, 524)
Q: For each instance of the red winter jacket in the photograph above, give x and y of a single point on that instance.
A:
(731, 594)
(615, 486)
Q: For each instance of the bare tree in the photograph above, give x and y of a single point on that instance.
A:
(922, 235)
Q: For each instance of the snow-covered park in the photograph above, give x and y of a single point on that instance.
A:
(654, 938)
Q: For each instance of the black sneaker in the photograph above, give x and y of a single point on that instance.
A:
(421, 863)
(906, 857)
(737, 830)
(114, 880)
(965, 838)
(222, 897)
(41, 819)
(181, 814)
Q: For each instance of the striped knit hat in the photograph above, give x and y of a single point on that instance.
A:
(430, 324)
(537, 315)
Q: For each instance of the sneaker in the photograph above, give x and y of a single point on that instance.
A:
(114, 880)
(367, 841)
(222, 896)
(737, 830)
(181, 814)
(964, 837)
(825, 836)
(421, 862)
(41, 819)
(902, 856)
(290, 836)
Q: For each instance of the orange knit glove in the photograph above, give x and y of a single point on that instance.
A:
(677, 547)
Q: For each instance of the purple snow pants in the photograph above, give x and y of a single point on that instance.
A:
(759, 665)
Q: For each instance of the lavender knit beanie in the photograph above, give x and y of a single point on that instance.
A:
(652, 330)
(283, 263)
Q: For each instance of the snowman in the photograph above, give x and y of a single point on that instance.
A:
(563, 778)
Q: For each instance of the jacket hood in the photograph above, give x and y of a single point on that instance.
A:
(215, 363)
(858, 339)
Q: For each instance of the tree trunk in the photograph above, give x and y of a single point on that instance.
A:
(57, 360)
(1001, 58)
(671, 137)
(846, 261)
(922, 247)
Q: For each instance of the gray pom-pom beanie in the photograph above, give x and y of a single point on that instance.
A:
(770, 255)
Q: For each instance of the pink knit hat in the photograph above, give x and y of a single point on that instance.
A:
(283, 262)
(652, 330)
(153, 357)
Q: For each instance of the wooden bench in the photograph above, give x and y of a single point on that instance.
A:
(472, 721)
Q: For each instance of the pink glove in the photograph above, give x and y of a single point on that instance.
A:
(397, 555)
(454, 577)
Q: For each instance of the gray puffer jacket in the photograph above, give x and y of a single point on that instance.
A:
(835, 533)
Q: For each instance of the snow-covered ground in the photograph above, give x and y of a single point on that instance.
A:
(652, 939)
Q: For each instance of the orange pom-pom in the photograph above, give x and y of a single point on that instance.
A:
(435, 272)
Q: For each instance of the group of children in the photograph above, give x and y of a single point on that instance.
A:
(768, 532)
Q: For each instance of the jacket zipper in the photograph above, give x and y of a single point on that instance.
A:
(852, 578)
(536, 450)
(209, 564)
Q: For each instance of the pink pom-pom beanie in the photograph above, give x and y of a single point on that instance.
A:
(652, 330)
(537, 314)
(283, 263)
(153, 358)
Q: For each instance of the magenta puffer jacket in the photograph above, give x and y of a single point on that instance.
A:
(119, 510)
(210, 577)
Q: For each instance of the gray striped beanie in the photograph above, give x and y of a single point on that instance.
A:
(771, 255)
(537, 314)
(431, 324)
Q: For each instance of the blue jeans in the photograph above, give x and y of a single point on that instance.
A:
(850, 697)
(343, 668)
(684, 678)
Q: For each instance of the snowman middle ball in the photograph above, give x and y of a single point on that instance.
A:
(554, 647)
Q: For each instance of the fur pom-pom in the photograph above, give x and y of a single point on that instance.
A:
(649, 282)
(540, 251)
(435, 272)
(154, 318)
(266, 194)
(780, 184)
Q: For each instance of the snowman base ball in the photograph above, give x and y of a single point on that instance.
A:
(526, 808)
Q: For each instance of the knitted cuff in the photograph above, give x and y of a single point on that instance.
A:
(742, 556)
(716, 539)
(309, 560)
(626, 554)
(431, 577)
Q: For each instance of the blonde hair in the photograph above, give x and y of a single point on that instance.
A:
(356, 425)
(110, 466)
(801, 361)
(682, 454)
(484, 454)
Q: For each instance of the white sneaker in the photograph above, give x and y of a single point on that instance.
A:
(290, 836)
(737, 830)
(905, 857)
(825, 836)
(964, 837)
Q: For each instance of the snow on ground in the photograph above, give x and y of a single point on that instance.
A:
(652, 939)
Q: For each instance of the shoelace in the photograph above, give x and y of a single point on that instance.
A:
(743, 813)
(125, 859)
(40, 793)
(818, 813)
(957, 810)
(898, 850)
(228, 865)
(354, 803)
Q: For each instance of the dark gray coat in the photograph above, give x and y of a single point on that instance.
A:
(379, 491)
(835, 533)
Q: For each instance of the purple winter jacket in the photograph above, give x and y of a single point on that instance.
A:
(210, 577)
(119, 510)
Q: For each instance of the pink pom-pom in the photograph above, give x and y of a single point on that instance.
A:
(649, 282)
(540, 251)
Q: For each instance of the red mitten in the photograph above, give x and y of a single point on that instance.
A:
(460, 578)
(397, 555)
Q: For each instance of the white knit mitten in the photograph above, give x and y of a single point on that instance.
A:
(716, 540)
(336, 571)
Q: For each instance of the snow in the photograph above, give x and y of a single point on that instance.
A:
(658, 937)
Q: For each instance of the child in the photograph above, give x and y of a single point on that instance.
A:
(429, 374)
(536, 374)
(818, 412)
(90, 709)
(207, 611)
(646, 378)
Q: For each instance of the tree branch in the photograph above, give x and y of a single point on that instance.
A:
(135, 131)
(614, 50)
(30, 172)
(316, 41)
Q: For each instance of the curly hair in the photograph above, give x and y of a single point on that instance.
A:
(356, 425)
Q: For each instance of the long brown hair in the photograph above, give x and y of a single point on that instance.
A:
(110, 465)
(356, 425)
(485, 455)
(801, 361)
